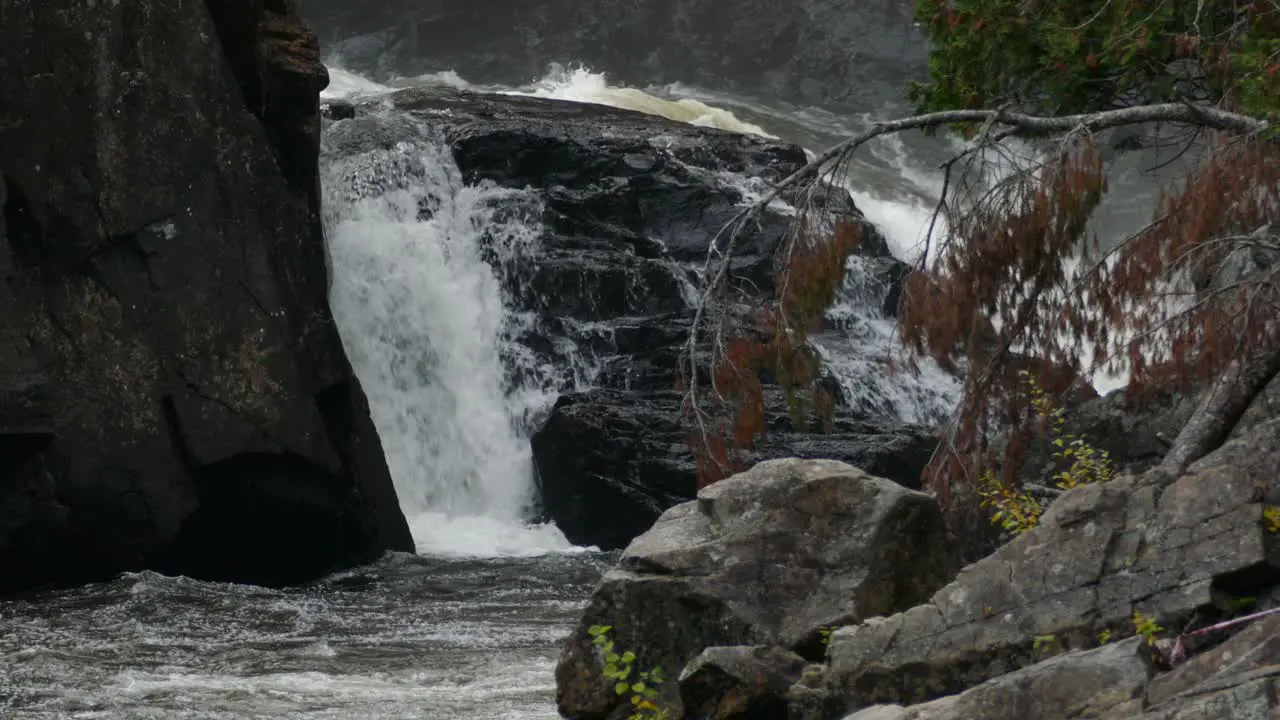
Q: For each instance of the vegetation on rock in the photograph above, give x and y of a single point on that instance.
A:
(641, 687)
(1010, 270)
(1016, 509)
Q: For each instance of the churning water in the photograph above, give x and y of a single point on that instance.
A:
(409, 637)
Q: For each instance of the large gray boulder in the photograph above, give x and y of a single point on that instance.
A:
(1103, 682)
(767, 557)
(173, 392)
(1170, 548)
(739, 683)
(1236, 679)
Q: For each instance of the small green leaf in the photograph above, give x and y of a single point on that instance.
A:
(621, 688)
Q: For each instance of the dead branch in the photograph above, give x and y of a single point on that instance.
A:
(1027, 126)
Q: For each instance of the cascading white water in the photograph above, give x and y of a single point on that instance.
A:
(423, 319)
(863, 342)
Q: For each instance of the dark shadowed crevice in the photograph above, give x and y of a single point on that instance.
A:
(17, 448)
(382, 524)
(237, 26)
(265, 518)
(276, 62)
(20, 225)
(259, 520)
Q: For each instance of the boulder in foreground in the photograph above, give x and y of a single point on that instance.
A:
(771, 556)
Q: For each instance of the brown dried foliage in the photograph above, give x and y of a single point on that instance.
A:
(1212, 250)
(1009, 257)
(772, 347)
(1006, 257)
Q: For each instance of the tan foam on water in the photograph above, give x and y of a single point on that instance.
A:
(584, 86)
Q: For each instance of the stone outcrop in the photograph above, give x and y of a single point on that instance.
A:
(771, 556)
(173, 393)
(1171, 548)
(1238, 679)
(811, 51)
(1103, 682)
(1043, 628)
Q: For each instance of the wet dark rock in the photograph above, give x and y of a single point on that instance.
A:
(627, 204)
(610, 462)
(338, 110)
(173, 393)
(771, 556)
(810, 51)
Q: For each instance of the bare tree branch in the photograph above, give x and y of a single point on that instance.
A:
(1023, 125)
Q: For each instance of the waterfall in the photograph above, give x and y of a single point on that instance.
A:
(424, 319)
(434, 294)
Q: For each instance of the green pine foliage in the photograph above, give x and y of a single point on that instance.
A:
(1074, 56)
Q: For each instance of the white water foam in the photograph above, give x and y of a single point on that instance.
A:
(579, 84)
(582, 85)
(345, 85)
(865, 345)
(423, 319)
(903, 218)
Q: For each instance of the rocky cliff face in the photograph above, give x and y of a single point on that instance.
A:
(173, 392)
(858, 55)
